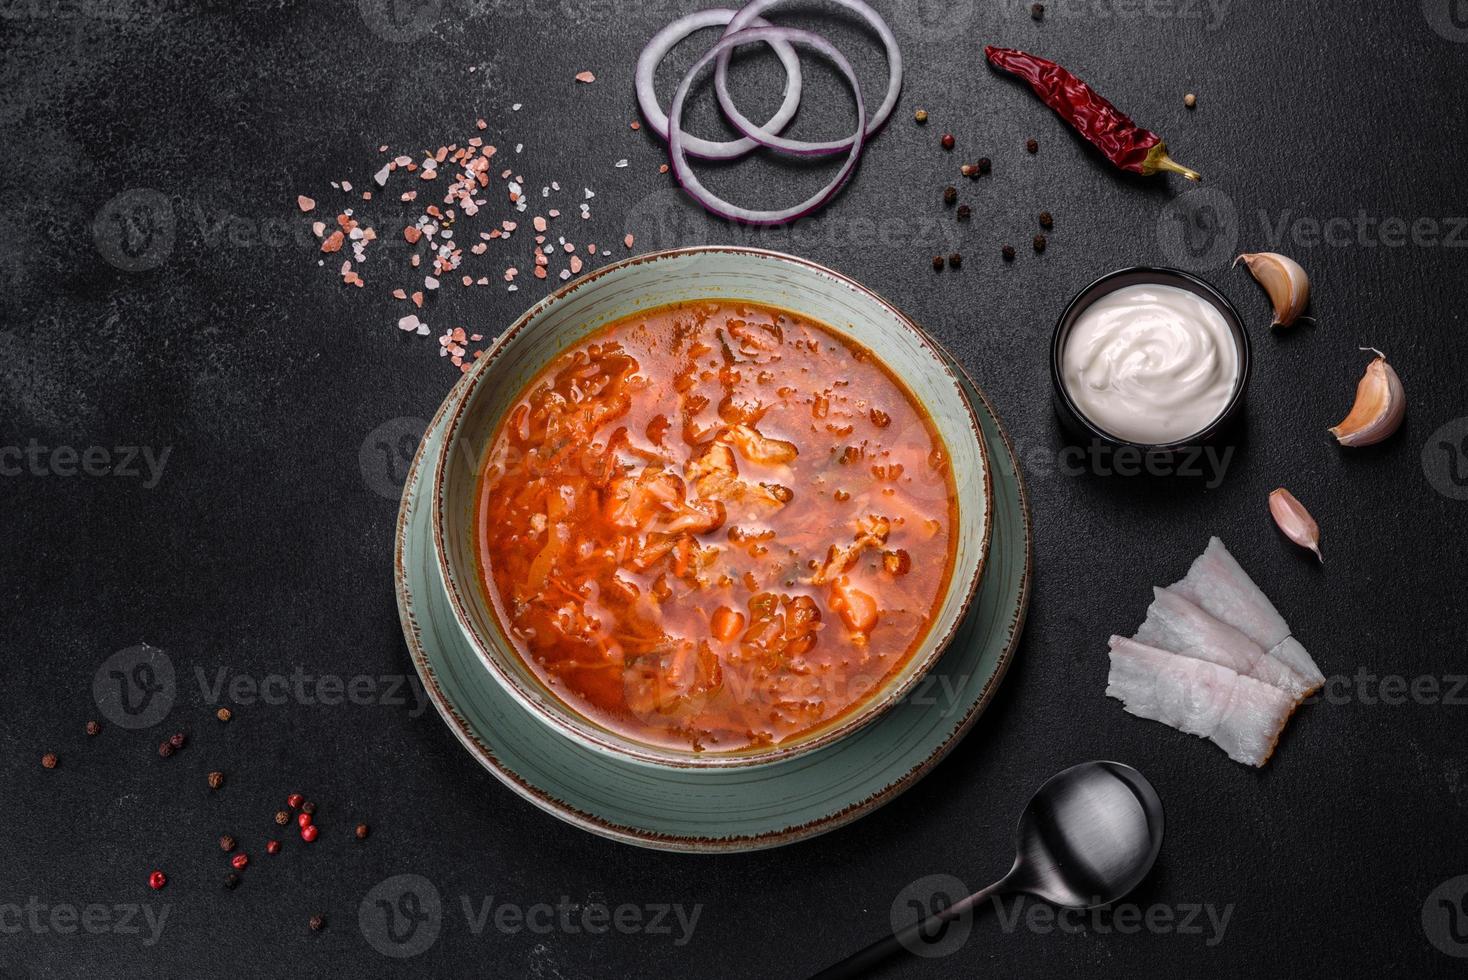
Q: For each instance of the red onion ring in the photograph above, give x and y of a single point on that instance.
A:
(764, 135)
(676, 139)
(666, 39)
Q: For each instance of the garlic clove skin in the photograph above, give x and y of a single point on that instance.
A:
(1381, 404)
(1284, 280)
(1295, 521)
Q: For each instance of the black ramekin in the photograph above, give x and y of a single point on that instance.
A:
(1075, 419)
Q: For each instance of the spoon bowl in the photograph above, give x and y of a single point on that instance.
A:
(1088, 836)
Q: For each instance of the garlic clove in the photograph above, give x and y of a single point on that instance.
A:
(1284, 280)
(1295, 521)
(1381, 404)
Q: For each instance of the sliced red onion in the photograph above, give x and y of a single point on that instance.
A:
(766, 135)
(677, 140)
(666, 39)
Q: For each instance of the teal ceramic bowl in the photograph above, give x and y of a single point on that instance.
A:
(644, 283)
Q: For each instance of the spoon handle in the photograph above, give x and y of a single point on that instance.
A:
(861, 964)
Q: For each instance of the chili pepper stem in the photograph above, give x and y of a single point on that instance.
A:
(1157, 159)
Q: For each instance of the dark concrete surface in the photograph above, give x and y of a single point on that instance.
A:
(161, 292)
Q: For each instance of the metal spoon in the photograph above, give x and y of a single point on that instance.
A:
(1087, 838)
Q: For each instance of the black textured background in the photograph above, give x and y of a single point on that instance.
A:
(265, 547)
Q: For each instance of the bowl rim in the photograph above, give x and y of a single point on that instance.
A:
(1159, 275)
(593, 734)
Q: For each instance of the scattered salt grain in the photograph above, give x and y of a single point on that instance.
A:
(469, 189)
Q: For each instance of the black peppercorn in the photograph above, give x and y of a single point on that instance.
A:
(231, 880)
(937, 263)
(1008, 253)
(1037, 11)
(1047, 220)
(985, 165)
(964, 212)
(308, 807)
(317, 922)
(955, 260)
(176, 740)
(1040, 243)
(950, 194)
(1033, 145)
(93, 728)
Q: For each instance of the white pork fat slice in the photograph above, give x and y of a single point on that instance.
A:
(1178, 626)
(1217, 584)
(1239, 714)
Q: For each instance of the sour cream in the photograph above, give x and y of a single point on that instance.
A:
(1151, 364)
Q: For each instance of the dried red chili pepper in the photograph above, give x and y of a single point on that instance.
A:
(1125, 143)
